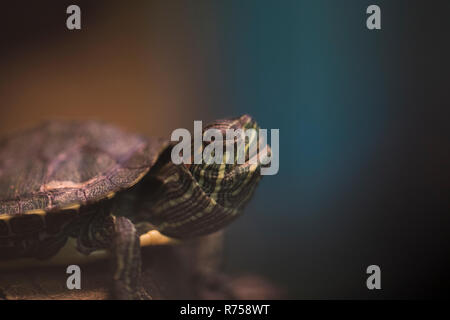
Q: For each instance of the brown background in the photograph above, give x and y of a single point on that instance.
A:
(136, 66)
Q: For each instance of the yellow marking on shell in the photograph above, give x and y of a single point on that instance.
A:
(36, 211)
(74, 206)
(154, 237)
(110, 195)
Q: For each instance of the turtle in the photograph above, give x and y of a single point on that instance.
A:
(98, 188)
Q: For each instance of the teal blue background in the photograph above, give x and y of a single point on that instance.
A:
(350, 191)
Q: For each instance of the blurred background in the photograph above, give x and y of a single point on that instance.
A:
(364, 149)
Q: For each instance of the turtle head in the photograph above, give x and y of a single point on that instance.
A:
(200, 198)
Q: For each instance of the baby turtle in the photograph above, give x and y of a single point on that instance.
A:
(105, 189)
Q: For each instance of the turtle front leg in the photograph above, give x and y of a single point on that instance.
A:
(127, 261)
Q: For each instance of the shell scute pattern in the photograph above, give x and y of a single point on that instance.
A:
(62, 164)
(9, 207)
(28, 204)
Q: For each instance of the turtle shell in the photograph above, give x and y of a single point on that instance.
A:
(62, 165)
